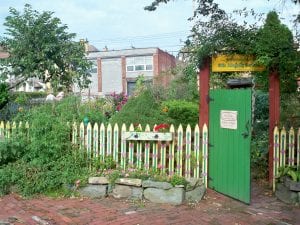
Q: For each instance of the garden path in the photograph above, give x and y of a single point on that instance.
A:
(215, 209)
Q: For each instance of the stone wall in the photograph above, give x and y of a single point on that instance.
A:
(153, 191)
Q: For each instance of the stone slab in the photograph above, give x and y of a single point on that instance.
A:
(155, 184)
(129, 181)
(196, 194)
(94, 191)
(173, 196)
(284, 194)
(98, 180)
(130, 192)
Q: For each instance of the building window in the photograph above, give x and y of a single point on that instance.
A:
(131, 86)
(94, 68)
(139, 63)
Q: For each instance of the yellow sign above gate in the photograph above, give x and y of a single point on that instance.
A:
(234, 63)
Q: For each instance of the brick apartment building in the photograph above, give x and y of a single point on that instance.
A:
(118, 70)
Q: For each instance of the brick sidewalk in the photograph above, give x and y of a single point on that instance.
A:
(215, 209)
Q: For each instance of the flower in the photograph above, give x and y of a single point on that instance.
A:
(165, 109)
(161, 127)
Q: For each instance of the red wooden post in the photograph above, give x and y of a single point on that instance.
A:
(204, 94)
(274, 115)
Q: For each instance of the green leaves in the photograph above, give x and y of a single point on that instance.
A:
(40, 46)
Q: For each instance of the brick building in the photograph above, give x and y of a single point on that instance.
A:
(118, 70)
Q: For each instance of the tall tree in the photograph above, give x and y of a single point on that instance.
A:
(275, 49)
(39, 46)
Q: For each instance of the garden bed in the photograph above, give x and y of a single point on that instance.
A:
(153, 191)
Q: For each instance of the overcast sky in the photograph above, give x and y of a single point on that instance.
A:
(120, 24)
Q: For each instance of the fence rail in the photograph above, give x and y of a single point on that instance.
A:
(286, 150)
(186, 154)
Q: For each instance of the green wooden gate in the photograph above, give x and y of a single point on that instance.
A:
(229, 141)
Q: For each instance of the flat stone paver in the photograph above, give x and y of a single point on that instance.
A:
(215, 209)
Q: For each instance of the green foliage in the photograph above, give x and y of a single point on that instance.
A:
(143, 109)
(181, 112)
(178, 180)
(4, 95)
(45, 161)
(290, 109)
(185, 84)
(40, 46)
(260, 138)
(11, 149)
(291, 172)
(100, 166)
(275, 49)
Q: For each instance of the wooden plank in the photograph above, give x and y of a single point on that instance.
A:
(96, 140)
(205, 154)
(131, 148)
(81, 136)
(102, 141)
(116, 144)
(13, 128)
(154, 153)
(74, 133)
(139, 151)
(123, 148)
(282, 148)
(2, 134)
(291, 156)
(7, 130)
(188, 143)
(172, 152)
(276, 156)
(147, 136)
(197, 151)
(147, 150)
(109, 140)
(163, 153)
(179, 157)
(89, 141)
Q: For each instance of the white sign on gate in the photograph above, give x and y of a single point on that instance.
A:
(228, 119)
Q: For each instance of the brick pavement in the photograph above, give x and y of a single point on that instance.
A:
(215, 209)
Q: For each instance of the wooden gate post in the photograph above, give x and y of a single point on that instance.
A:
(274, 115)
(204, 93)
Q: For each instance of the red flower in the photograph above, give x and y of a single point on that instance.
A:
(161, 127)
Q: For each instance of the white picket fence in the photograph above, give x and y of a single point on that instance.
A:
(184, 154)
(286, 150)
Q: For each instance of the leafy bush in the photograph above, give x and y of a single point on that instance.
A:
(4, 95)
(46, 160)
(260, 139)
(290, 109)
(143, 109)
(181, 112)
(184, 86)
(291, 172)
(11, 149)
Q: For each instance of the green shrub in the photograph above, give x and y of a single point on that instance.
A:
(11, 149)
(4, 95)
(260, 139)
(143, 109)
(46, 160)
(181, 112)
